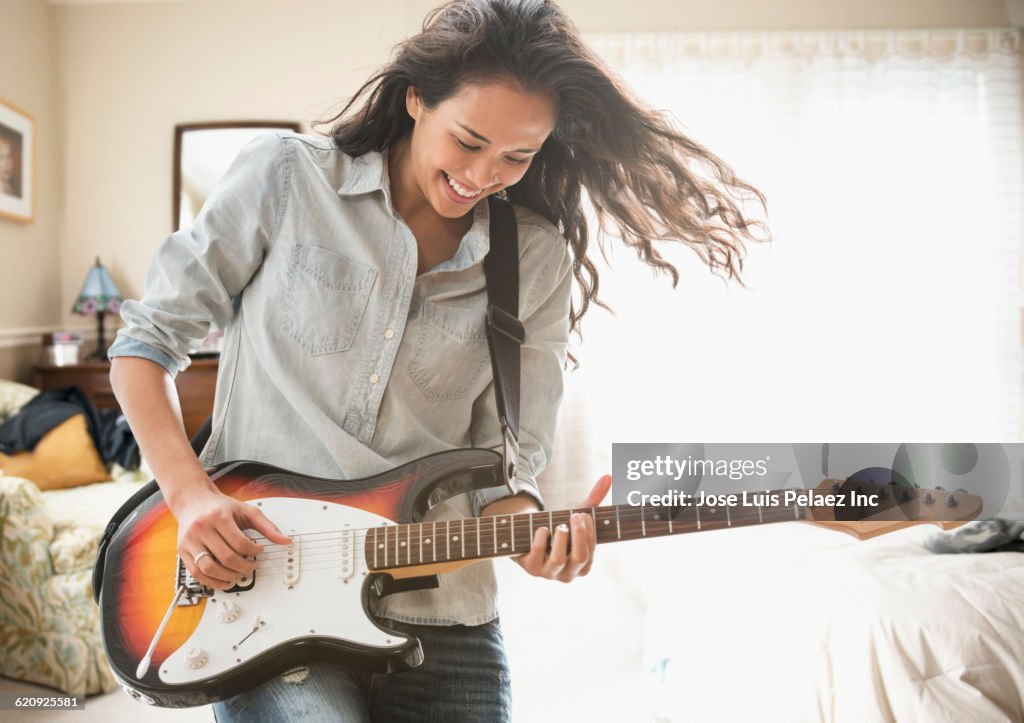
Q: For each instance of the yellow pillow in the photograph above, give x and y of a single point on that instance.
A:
(64, 457)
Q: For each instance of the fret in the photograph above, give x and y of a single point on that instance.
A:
(408, 544)
(421, 542)
(433, 536)
(530, 515)
(375, 563)
(698, 517)
(643, 523)
(728, 517)
(513, 534)
(618, 526)
(462, 536)
(448, 539)
(551, 524)
(593, 516)
(796, 512)
(494, 524)
(397, 560)
(760, 514)
(385, 546)
(479, 552)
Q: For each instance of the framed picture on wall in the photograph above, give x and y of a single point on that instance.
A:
(17, 163)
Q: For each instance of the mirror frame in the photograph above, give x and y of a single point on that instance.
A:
(181, 129)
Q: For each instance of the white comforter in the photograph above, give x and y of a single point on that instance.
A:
(785, 623)
(795, 623)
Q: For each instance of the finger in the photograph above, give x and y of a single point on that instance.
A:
(208, 572)
(598, 492)
(228, 558)
(559, 552)
(533, 561)
(238, 540)
(256, 520)
(591, 537)
(579, 549)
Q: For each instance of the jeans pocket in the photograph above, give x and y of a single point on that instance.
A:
(325, 299)
(451, 351)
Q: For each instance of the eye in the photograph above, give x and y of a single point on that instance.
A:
(466, 146)
(518, 161)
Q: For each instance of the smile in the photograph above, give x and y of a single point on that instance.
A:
(459, 188)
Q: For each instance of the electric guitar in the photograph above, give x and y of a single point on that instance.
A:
(173, 642)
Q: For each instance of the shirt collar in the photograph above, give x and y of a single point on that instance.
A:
(369, 172)
(366, 173)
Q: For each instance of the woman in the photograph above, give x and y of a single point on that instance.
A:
(348, 274)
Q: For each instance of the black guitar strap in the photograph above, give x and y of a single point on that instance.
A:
(505, 332)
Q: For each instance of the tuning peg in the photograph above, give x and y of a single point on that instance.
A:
(951, 501)
(893, 482)
(905, 496)
(928, 499)
(940, 488)
(835, 487)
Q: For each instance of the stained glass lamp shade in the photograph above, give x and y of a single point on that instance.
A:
(99, 296)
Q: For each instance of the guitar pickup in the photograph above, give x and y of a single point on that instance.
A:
(291, 563)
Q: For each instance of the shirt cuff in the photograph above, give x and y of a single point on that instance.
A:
(481, 498)
(127, 346)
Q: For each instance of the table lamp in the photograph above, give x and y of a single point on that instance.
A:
(98, 296)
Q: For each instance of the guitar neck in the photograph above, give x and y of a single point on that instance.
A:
(476, 538)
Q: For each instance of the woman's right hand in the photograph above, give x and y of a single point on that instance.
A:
(210, 521)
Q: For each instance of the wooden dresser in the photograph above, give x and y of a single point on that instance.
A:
(196, 386)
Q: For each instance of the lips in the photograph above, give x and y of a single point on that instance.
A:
(453, 195)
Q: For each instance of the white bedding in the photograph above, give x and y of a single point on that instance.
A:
(795, 623)
(786, 623)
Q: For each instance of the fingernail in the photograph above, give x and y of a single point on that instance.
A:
(563, 527)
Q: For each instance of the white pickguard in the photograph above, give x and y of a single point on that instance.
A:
(323, 598)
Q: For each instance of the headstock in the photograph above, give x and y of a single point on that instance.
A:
(866, 509)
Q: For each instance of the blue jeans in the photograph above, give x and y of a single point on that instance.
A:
(463, 677)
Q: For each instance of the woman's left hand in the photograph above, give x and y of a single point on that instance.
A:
(564, 561)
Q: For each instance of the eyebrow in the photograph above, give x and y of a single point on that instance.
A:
(479, 137)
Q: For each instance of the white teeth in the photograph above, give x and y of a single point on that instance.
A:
(461, 190)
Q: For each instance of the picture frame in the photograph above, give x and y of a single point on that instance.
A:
(17, 163)
(202, 154)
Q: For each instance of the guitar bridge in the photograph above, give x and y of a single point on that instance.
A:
(194, 590)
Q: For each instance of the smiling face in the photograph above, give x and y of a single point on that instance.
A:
(475, 143)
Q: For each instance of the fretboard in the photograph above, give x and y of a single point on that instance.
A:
(475, 538)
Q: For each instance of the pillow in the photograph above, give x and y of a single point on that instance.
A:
(64, 457)
(14, 396)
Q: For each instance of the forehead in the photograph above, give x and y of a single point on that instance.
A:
(502, 112)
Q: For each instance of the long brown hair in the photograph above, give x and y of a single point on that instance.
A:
(645, 180)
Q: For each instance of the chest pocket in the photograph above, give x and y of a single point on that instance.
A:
(451, 352)
(325, 299)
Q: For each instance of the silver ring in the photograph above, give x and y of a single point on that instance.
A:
(197, 558)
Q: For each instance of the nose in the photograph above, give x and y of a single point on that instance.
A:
(482, 173)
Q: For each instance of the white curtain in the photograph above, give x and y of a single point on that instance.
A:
(887, 308)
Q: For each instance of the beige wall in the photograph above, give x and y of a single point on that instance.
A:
(30, 295)
(126, 73)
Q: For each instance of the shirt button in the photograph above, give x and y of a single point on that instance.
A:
(374, 379)
(389, 333)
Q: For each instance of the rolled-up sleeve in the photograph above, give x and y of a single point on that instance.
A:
(198, 272)
(545, 316)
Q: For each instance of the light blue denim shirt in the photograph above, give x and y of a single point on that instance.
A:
(338, 360)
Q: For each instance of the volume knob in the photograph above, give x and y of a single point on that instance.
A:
(196, 658)
(228, 611)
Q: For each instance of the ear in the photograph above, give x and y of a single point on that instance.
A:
(412, 103)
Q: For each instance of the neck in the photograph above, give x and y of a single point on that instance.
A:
(475, 538)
